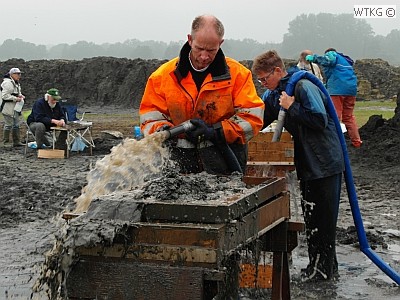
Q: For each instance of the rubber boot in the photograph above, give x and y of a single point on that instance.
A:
(16, 139)
(6, 137)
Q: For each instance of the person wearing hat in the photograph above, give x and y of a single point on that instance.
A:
(47, 113)
(11, 96)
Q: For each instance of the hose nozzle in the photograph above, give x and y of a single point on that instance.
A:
(279, 126)
(179, 129)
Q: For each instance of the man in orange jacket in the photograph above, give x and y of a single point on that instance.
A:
(214, 92)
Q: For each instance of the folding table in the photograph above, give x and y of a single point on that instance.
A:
(81, 130)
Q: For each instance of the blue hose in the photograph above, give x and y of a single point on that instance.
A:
(351, 191)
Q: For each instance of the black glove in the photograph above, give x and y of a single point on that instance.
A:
(163, 127)
(202, 130)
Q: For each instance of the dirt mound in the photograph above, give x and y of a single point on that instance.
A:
(381, 143)
(94, 82)
(120, 82)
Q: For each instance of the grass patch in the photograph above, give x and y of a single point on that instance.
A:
(365, 109)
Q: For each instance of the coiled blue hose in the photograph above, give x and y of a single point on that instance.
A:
(351, 191)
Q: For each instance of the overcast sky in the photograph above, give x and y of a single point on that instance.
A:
(52, 22)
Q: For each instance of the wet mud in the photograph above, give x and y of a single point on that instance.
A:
(36, 191)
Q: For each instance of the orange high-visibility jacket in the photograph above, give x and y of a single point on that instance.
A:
(227, 96)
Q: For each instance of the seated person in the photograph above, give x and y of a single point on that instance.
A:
(47, 113)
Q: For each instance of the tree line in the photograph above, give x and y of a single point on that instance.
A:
(317, 32)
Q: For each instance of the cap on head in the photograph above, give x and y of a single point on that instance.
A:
(14, 70)
(54, 93)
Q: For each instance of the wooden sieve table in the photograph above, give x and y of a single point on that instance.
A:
(189, 250)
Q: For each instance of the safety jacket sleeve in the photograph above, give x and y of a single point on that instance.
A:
(153, 107)
(247, 120)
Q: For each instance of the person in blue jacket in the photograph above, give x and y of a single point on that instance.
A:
(46, 113)
(341, 83)
(318, 157)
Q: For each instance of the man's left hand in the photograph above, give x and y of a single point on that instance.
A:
(202, 130)
(285, 100)
(60, 123)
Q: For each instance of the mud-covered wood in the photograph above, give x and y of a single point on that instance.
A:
(163, 248)
(282, 237)
(267, 169)
(221, 211)
(120, 279)
(193, 244)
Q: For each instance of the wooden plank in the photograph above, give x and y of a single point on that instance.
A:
(255, 224)
(120, 279)
(223, 211)
(261, 148)
(282, 237)
(50, 153)
(296, 226)
(177, 243)
(196, 235)
(266, 170)
(175, 255)
(250, 277)
(267, 137)
(263, 153)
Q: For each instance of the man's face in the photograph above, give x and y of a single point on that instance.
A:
(16, 76)
(270, 79)
(205, 45)
(52, 102)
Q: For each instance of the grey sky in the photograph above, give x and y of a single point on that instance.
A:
(68, 21)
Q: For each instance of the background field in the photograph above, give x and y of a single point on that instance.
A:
(364, 109)
(108, 119)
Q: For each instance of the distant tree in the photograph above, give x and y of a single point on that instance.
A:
(117, 50)
(242, 49)
(83, 49)
(58, 51)
(157, 48)
(321, 31)
(391, 44)
(172, 50)
(144, 52)
(17, 48)
(132, 43)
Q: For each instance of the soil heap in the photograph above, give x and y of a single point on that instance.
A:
(120, 82)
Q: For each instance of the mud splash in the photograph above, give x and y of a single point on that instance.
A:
(129, 165)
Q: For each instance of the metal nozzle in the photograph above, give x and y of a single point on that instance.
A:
(179, 129)
(279, 126)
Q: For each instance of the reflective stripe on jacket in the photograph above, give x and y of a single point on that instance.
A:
(227, 96)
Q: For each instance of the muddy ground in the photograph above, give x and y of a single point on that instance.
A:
(34, 192)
